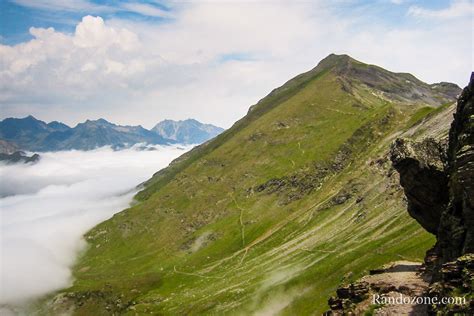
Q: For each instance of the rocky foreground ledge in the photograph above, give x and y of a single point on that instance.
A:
(405, 288)
(396, 281)
(438, 180)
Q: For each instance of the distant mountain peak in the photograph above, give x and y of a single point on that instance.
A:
(98, 122)
(192, 120)
(58, 126)
(189, 131)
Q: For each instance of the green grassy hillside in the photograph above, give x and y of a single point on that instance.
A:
(272, 215)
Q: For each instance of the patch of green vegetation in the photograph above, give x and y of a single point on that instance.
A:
(426, 113)
(266, 252)
(419, 116)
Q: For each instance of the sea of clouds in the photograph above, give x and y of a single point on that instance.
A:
(45, 208)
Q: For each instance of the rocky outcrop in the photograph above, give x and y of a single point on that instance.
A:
(456, 230)
(423, 177)
(350, 294)
(455, 279)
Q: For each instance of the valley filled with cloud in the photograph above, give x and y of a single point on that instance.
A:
(47, 207)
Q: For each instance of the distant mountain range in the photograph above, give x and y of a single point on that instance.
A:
(32, 134)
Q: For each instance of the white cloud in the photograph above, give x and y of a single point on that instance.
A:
(41, 230)
(211, 61)
(57, 68)
(457, 8)
(92, 32)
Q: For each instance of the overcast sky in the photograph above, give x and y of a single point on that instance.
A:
(138, 62)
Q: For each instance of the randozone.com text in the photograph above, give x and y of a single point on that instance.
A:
(418, 300)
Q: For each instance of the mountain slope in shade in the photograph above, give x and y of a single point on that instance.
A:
(272, 214)
(26, 133)
(188, 131)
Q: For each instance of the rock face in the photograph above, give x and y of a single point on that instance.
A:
(456, 230)
(454, 278)
(423, 177)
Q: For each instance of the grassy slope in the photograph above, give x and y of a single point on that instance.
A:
(202, 241)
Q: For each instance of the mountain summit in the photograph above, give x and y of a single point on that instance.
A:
(270, 215)
(395, 86)
(401, 87)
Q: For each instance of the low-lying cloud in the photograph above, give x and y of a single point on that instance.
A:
(47, 207)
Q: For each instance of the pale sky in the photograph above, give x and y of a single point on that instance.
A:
(139, 62)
